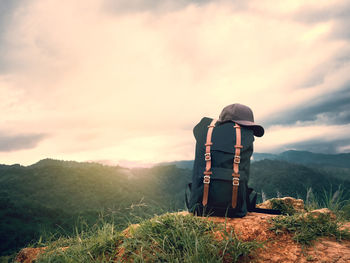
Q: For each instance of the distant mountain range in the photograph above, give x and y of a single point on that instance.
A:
(308, 158)
(184, 164)
(341, 160)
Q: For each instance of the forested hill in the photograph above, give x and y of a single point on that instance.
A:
(51, 195)
(308, 158)
(274, 177)
(341, 160)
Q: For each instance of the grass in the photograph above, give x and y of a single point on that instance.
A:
(97, 244)
(286, 209)
(92, 243)
(307, 227)
(333, 200)
(166, 238)
(6, 259)
(345, 211)
(178, 238)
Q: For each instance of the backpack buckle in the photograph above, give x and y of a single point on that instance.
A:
(206, 179)
(235, 181)
(237, 159)
(207, 157)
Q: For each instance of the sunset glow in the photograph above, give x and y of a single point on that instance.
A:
(121, 81)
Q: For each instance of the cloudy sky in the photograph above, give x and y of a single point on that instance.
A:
(125, 81)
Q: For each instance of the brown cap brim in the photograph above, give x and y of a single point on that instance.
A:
(257, 129)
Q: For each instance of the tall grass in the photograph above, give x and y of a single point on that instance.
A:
(333, 200)
(308, 227)
(165, 238)
(88, 244)
(96, 242)
(179, 238)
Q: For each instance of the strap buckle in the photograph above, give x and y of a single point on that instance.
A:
(207, 157)
(237, 159)
(235, 181)
(206, 179)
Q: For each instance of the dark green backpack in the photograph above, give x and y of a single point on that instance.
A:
(221, 170)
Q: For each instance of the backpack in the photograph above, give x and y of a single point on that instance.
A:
(221, 170)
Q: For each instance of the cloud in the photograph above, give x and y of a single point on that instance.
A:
(319, 12)
(326, 109)
(20, 141)
(131, 6)
(130, 79)
(338, 12)
(333, 146)
(7, 9)
(329, 138)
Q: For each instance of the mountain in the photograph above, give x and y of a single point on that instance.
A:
(184, 164)
(293, 173)
(308, 158)
(53, 195)
(263, 156)
(275, 177)
(341, 160)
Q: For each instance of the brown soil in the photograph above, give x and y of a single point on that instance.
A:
(28, 254)
(281, 248)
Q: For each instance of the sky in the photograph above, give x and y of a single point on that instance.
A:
(125, 81)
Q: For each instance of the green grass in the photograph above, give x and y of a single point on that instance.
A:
(286, 209)
(97, 244)
(333, 200)
(166, 238)
(92, 242)
(178, 238)
(6, 259)
(345, 211)
(306, 227)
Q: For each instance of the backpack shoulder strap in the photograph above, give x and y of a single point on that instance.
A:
(236, 162)
(251, 203)
(207, 158)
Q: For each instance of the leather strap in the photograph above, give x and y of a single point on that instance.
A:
(236, 162)
(207, 158)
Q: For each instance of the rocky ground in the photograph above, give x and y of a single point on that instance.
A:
(255, 226)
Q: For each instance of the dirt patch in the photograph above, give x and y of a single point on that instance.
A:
(29, 254)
